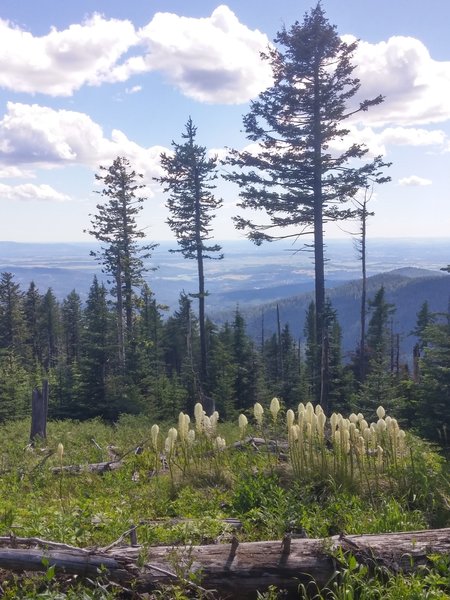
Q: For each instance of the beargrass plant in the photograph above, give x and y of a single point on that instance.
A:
(314, 475)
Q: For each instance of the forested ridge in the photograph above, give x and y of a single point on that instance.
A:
(74, 346)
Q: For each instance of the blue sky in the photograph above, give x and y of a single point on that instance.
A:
(85, 81)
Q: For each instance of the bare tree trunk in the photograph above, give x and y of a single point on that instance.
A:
(119, 313)
(280, 365)
(39, 410)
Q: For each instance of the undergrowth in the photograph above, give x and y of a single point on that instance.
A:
(183, 488)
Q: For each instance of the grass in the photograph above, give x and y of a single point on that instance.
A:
(178, 489)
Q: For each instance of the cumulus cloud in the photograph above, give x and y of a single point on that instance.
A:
(14, 172)
(415, 180)
(378, 141)
(214, 59)
(29, 191)
(211, 59)
(133, 90)
(62, 61)
(416, 87)
(39, 136)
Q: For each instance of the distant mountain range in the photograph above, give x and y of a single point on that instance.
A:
(406, 288)
(256, 278)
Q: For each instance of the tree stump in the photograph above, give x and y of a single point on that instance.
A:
(39, 410)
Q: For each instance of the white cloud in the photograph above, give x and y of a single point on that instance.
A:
(63, 61)
(415, 180)
(378, 142)
(13, 172)
(133, 90)
(212, 59)
(39, 136)
(413, 136)
(416, 87)
(29, 191)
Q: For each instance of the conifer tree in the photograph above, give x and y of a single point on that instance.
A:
(50, 329)
(292, 176)
(188, 179)
(121, 257)
(31, 306)
(379, 385)
(180, 339)
(248, 368)
(222, 369)
(362, 213)
(95, 356)
(434, 389)
(71, 324)
(12, 320)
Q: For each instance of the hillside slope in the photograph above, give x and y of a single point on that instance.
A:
(406, 289)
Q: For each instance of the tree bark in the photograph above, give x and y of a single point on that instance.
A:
(39, 410)
(232, 570)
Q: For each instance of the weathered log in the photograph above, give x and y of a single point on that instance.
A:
(101, 467)
(236, 570)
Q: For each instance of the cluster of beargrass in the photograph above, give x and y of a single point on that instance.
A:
(346, 449)
(273, 470)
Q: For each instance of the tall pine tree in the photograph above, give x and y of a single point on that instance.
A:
(188, 179)
(292, 176)
(122, 258)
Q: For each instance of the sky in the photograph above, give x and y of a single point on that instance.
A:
(86, 81)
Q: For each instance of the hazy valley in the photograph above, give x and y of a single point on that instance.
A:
(258, 278)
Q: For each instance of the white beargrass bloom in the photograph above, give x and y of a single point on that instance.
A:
(258, 411)
(243, 422)
(214, 418)
(171, 439)
(274, 408)
(183, 426)
(290, 418)
(191, 437)
(337, 438)
(318, 409)
(360, 445)
(321, 420)
(154, 432)
(60, 451)
(206, 426)
(334, 422)
(367, 434)
(301, 419)
(309, 413)
(198, 414)
(219, 443)
(353, 418)
(381, 425)
(294, 432)
(380, 412)
(363, 424)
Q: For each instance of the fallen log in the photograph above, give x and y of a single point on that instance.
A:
(235, 570)
(101, 467)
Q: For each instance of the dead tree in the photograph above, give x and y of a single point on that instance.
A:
(39, 410)
(235, 570)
